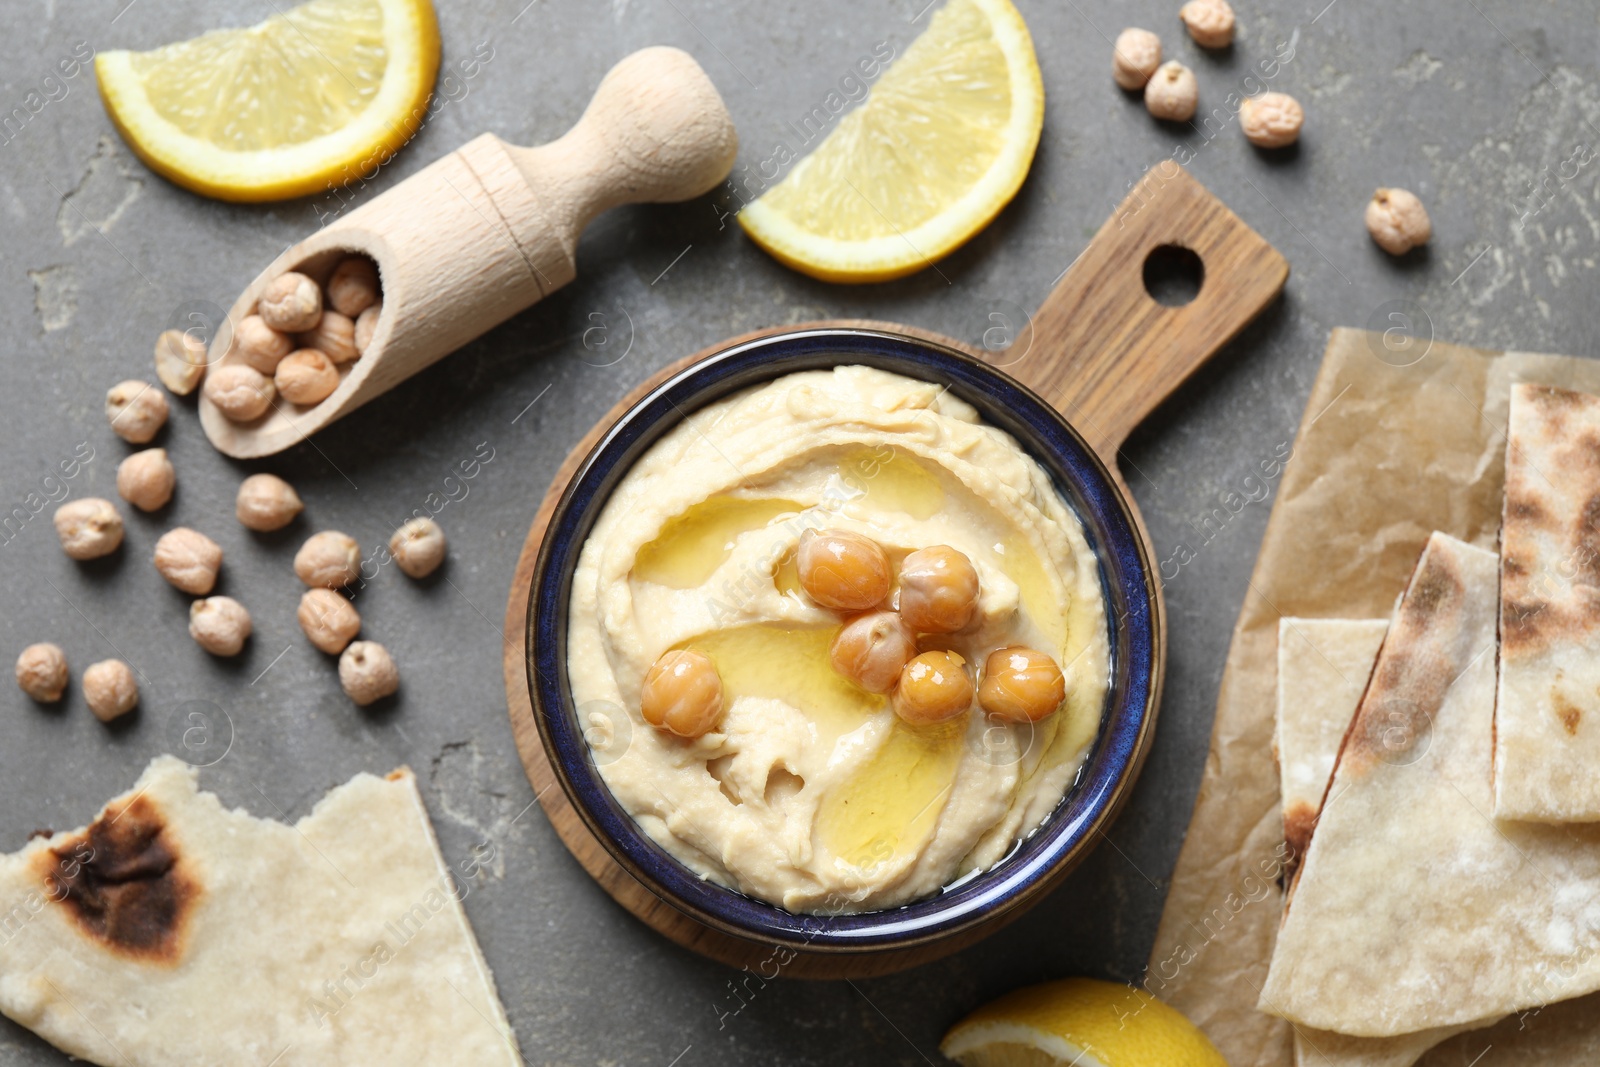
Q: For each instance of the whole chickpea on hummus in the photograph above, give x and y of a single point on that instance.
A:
(810, 790)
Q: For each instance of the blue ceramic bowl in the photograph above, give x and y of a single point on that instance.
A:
(1127, 576)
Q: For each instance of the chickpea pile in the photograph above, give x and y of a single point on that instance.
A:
(328, 561)
(291, 346)
(296, 341)
(109, 687)
(876, 647)
(1172, 92)
(1396, 218)
(938, 594)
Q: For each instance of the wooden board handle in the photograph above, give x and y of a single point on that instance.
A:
(1103, 351)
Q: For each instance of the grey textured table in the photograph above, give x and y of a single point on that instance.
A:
(1477, 105)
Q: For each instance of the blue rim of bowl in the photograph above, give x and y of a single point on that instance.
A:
(1034, 864)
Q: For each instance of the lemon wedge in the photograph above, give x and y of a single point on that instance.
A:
(1082, 1022)
(301, 103)
(940, 145)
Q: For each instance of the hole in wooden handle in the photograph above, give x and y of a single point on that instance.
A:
(1173, 275)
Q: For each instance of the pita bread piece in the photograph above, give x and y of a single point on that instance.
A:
(1414, 908)
(1323, 666)
(1547, 756)
(174, 931)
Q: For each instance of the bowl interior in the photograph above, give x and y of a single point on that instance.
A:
(1126, 577)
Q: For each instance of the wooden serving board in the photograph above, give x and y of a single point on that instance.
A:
(1100, 348)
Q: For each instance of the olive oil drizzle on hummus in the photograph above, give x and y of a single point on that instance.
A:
(890, 803)
(811, 792)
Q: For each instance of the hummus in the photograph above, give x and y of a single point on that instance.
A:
(812, 794)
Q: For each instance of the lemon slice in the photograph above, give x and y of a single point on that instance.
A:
(302, 103)
(940, 145)
(1081, 1022)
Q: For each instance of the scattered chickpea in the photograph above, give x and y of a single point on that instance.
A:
(1172, 93)
(89, 528)
(259, 345)
(1021, 685)
(180, 361)
(418, 546)
(1135, 57)
(366, 326)
(843, 570)
(367, 672)
(146, 479)
(220, 624)
(291, 302)
(938, 590)
(306, 376)
(329, 620)
(1271, 120)
(933, 687)
(682, 693)
(42, 672)
(266, 502)
(110, 689)
(1210, 22)
(136, 411)
(329, 560)
(240, 392)
(1398, 221)
(871, 649)
(334, 337)
(189, 560)
(353, 286)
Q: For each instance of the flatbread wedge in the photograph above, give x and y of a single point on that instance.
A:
(1547, 724)
(174, 931)
(1414, 908)
(1323, 667)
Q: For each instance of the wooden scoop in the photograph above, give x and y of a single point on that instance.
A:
(470, 240)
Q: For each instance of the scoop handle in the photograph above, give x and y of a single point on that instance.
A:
(656, 132)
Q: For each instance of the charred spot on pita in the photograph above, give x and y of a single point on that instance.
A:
(1415, 669)
(1586, 543)
(1553, 405)
(1521, 507)
(1299, 821)
(125, 882)
(1569, 714)
(1436, 590)
(1521, 623)
(1553, 399)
